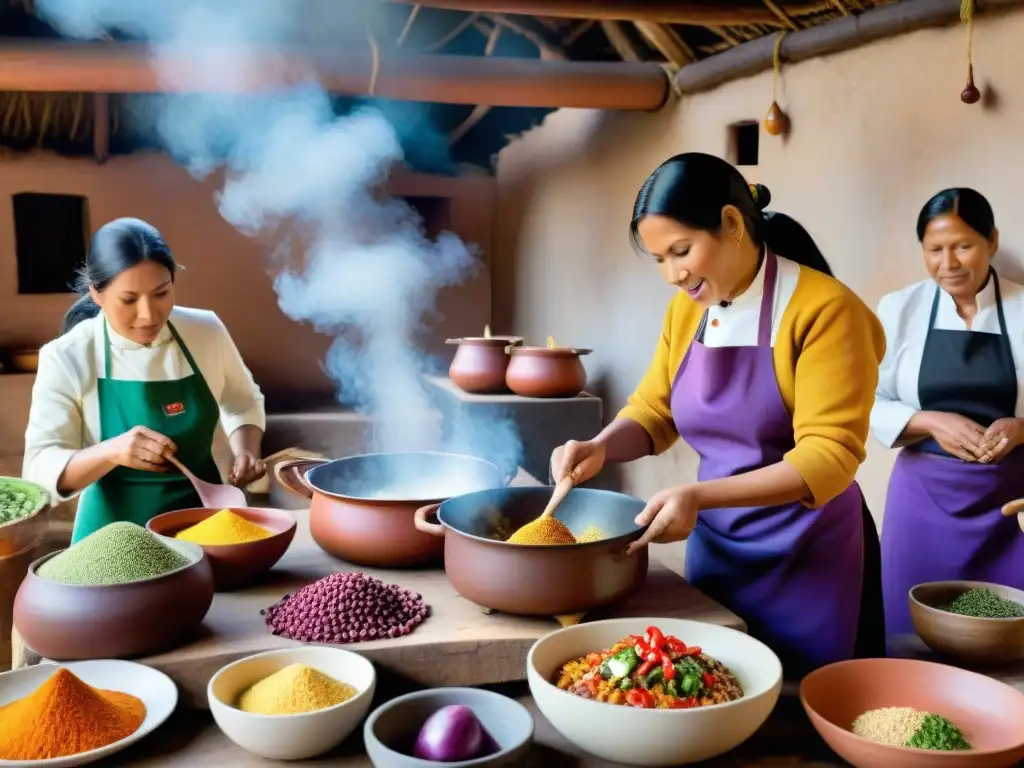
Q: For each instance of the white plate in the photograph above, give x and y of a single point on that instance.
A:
(156, 690)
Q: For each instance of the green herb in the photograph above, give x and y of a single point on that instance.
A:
(622, 663)
(936, 732)
(985, 604)
(626, 684)
(18, 499)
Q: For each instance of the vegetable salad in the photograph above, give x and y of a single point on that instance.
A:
(650, 671)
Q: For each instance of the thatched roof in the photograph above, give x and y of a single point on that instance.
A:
(64, 122)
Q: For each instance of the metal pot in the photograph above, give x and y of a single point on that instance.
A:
(546, 372)
(538, 580)
(362, 506)
(480, 362)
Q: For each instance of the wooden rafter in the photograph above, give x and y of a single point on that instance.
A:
(548, 51)
(667, 42)
(620, 41)
(480, 110)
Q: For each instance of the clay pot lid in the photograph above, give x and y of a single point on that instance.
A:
(550, 351)
(487, 341)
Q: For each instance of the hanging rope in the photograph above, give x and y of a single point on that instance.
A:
(777, 64)
(374, 60)
(967, 17)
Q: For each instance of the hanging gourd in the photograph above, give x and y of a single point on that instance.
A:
(970, 94)
(776, 122)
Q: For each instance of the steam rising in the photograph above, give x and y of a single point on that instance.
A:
(362, 268)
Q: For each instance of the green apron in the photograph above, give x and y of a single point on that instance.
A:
(184, 410)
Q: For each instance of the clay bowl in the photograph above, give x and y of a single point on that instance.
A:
(390, 731)
(480, 363)
(235, 565)
(24, 534)
(69, 622)
(538, 580)
(972, 640)
(545, 372)
(657, 737)
(989, 713)
(362, 507)
(25, 360)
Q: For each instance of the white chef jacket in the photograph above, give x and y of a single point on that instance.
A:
(64, 416)
(904, 315)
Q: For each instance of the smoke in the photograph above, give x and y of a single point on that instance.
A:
(354, 263)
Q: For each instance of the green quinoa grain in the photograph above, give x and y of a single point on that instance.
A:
(117, 553)
(985, 604)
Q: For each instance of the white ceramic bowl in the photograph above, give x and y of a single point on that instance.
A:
(156, 690)
(291, 737)
(393, 726)
(656, 737)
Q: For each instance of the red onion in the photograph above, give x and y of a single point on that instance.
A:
(452, 734)
(346, 608)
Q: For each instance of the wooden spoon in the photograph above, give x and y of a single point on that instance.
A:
(547, 529)
(212, 495)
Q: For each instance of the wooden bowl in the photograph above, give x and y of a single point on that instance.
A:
(989, 713)
(966, 638)
(26, 532)
(235, 565)
(71, 622)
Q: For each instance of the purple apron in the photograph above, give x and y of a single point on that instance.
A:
(794, 574)
(942, 515)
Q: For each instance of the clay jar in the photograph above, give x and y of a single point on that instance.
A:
(546, 372)
(480, 363)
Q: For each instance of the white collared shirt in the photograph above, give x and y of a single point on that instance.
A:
(736, 325)
(904, 315)
(64, 416)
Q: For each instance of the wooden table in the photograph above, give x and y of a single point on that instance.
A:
(459, 644)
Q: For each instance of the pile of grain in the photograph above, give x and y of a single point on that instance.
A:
(223, 528)
(294, 689)
(117, 553)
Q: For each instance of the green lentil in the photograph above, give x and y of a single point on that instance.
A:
(936, 732)
(985, 604)
(117, 553)
(17, 500)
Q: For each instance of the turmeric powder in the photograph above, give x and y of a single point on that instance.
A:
(294, 689)
(65, 716)
(224, 527)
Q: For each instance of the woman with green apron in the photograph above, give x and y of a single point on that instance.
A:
(132, 379)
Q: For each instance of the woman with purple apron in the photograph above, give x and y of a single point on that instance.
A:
(766, 368)
(950, 391)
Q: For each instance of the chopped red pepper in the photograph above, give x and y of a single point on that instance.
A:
(653, 655)
(675, 645)
(593, 659)
(709, 680)
(666, 666)
(684, 703)
(694, 650)
(640, 698)
(655, 638)
(644, 668)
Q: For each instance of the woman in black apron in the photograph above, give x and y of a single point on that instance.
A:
(950, 392)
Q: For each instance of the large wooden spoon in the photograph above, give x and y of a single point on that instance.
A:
(1015, 507)
(212, 495)
(547, 529)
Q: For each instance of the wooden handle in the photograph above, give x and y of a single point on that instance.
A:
(1013, 508)
(184, 470)
(561, 491)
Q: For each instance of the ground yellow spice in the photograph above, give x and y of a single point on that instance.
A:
(224, 527)
(589, 534)
(294, 689)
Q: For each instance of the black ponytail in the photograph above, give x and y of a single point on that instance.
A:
(693, 188)
(83, 309)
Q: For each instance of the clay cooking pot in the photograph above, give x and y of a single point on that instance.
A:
(362, 506)
(546, 372)
(480, 363)
(67, 622)
(538, 580)
(235, 565)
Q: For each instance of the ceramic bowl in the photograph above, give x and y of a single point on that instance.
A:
(156, 690)
(966, 638)
(235, 565)
(696, 734)
(989, 713)
(291, 737)
(390, 731)
(25, 533)
(67, 622)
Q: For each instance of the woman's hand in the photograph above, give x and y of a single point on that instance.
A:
(247, 468)
(1002, 437)
(582, 460)
(671, 515)
(140, 448)
(957, 435)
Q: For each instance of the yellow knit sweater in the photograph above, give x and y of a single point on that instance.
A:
(827, 352)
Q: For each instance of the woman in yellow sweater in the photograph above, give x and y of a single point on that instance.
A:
(766, 367)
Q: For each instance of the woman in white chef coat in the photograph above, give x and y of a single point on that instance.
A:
(951, 394)
(132, 379)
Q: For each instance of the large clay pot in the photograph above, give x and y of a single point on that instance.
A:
(362, 506)
(480, 363)
(235, 565)
(538, 580)
(546, 372)
(67, 622)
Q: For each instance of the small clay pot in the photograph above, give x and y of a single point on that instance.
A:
(70, 622)
(480, 363)
(546, 372)
(25, 360)
(235, 565)
(350, 520)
